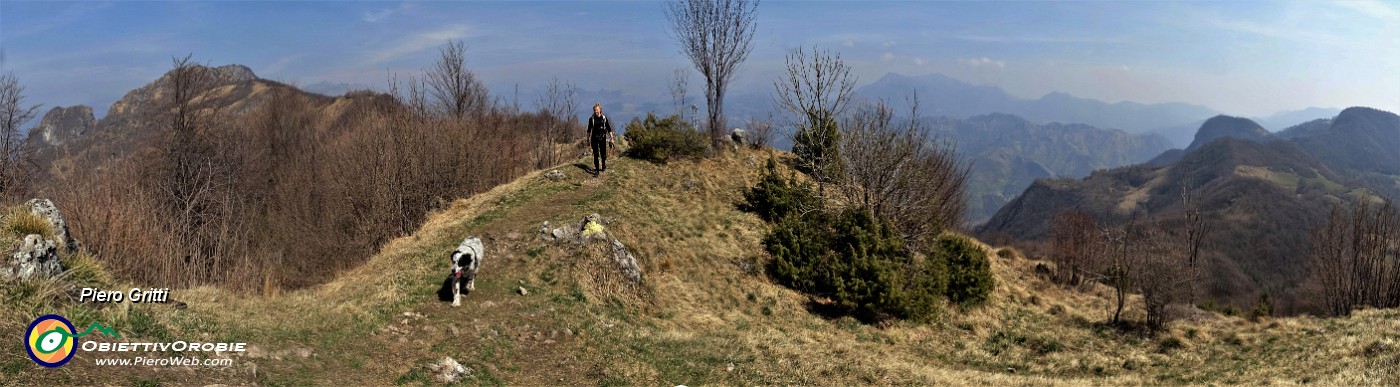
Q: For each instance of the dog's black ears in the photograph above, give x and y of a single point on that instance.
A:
(454, 256)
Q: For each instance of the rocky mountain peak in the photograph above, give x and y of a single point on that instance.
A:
(62, 124)
(142, 97)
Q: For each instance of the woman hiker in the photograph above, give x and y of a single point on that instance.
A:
(599, 127)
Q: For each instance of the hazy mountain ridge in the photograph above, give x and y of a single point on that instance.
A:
(1009, 152)
(1265, 194)
(1359, 138)
(941, 95)
(1227, 126)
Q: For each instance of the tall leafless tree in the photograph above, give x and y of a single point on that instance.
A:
(454, 87)
(1198, 230)
(716, 35)
(680, 82)
(188, 180)
(1196, 226)
(15, 162)
(1121, 257)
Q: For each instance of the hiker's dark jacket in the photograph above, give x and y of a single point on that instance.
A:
(599, 126)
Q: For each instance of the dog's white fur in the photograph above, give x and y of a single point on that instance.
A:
(465, 260)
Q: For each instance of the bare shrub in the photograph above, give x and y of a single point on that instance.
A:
(1075, 247)
(1163, 274)
(558, 103)
(896, 171)
(16, 159)
(1355, 259)
(761, 132)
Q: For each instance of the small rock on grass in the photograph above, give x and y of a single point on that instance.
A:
(447, 370)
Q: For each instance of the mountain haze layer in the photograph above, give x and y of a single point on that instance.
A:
(941, 95)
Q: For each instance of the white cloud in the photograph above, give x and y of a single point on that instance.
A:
(849, 43)
(374, 17)
(982, 62)
(420, 42)
(889, 56)
(920, 61)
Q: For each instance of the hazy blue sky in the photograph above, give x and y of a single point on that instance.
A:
(1245, 58)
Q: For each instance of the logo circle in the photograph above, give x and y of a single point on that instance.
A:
(49, 341)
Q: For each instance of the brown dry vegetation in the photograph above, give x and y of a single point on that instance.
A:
(259, 187)
(705, 307)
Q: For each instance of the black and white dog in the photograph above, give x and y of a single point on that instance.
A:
(465, 260)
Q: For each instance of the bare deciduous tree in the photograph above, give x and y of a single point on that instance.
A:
(560, 99)
(1163, 275)
(559, 102)
(680, 82)
(716, 35)
(1355, 259)
(1120, 262)
(188, 173)
(453, 86)
(816, 87)
(1196, 226)
(15, 163)
(1075, 247)
(1198, 230)
(898, 172)
(761, 132)
(1137, 257)
(814, 91)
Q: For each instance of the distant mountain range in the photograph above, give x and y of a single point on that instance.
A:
(1007, 153)
(940, 95)
(1182, 135)
(1263, 191)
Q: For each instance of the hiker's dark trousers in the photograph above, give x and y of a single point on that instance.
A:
(600, 154)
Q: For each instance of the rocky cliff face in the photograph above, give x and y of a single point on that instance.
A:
(141, 98)
(133, 122)
(62, 124)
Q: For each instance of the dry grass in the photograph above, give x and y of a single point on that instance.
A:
(708, 315)
(19, 221)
